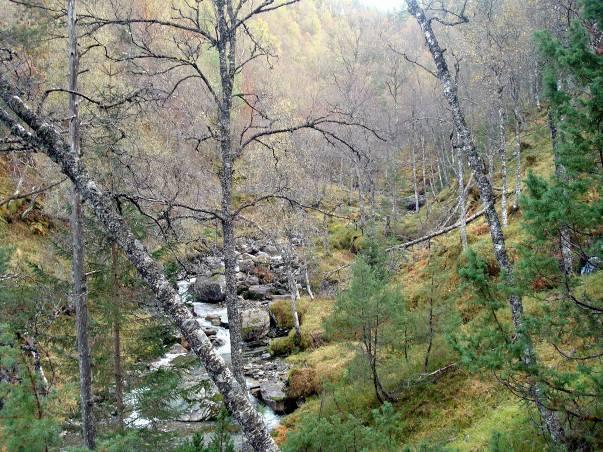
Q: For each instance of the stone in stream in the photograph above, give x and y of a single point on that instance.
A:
(255, 323)
(214, 319)
(207, 290)
(260, 292)
(273, 395)
(210, 331)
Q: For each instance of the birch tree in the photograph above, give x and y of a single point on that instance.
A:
(550, 419)
(35, 130)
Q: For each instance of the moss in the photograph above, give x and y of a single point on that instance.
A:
(303, 382)
(344, 236)
(284, 346)
(281, 310)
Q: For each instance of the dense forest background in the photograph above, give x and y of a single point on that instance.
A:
(301, 225)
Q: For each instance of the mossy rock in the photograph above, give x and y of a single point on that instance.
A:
(281, 312)
(284, 346)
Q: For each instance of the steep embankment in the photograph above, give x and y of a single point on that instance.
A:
(455, 408)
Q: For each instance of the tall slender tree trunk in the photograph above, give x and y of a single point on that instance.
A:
(117, 368)
(226, 45)
(413, 155)
(517, 158)
(307, 276)
(80, 294)
(430, 333)
(293, 293)
(361, 205)
(502, 151)
(351, 190)
(565, 241)
(551, 421)
(423, 165)
(462, 197)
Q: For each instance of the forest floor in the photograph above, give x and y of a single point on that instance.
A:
(461, 410)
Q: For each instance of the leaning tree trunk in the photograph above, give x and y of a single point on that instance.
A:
(450, 89)
(80, 295)
(47, 138)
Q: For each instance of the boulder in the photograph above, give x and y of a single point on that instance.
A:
(207, 290)
(255, 323)
(252, 280)
(246, 265)
(270, 249)
(273, 395)
(260, 292)
(409, 202)
(262, 258)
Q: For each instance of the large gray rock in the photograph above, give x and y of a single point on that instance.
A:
(260, 292)
(208, 290)
(262, 258)
(270, 249)
(246, 265)
(273, 395)
(409, 202)
(255, 323)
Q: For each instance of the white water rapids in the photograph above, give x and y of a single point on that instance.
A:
(202, 310)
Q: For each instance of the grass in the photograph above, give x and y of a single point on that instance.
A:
(461, 410)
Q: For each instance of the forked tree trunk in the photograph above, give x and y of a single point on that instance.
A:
(46, 138)
(80, 295)
(549, 417)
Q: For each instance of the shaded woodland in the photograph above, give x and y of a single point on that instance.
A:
(301, 225)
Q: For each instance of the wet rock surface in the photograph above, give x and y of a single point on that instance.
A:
(206, 290)
(261, 279)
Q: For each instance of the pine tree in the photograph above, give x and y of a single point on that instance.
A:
(370, 312)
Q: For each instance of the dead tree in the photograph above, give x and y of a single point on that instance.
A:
(80, 292)
(222, 26)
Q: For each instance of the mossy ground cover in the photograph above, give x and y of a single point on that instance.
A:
(461, 410)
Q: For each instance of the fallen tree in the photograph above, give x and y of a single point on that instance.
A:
(432, 235)
(40, 134)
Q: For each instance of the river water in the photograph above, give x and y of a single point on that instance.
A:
(203, 310)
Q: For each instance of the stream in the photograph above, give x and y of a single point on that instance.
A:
(207, 315)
